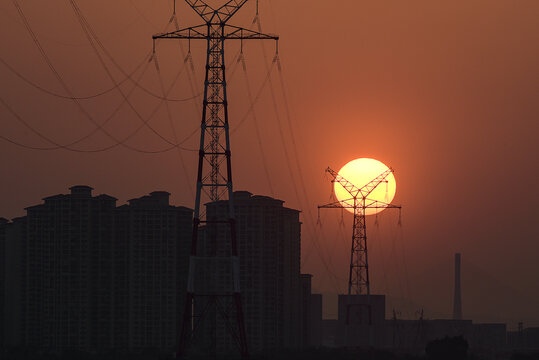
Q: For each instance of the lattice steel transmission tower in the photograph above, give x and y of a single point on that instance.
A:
(213, 182)
(358, 279)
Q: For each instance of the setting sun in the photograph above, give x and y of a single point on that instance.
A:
(360, 172)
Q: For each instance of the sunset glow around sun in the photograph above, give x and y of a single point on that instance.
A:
(360, 172)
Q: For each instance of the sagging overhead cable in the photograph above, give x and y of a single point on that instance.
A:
(89, 34)
(255, 99)
(58, 146)
(40, 88)
(57, 74)
(66, 88)
(314, 233)
(82, 19)
(241, 59)
(99, 127)
(173, 128)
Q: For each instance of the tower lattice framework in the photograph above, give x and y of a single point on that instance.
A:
(358, 278)
(214, 175)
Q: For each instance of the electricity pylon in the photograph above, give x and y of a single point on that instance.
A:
(213, 184)
(358, 279)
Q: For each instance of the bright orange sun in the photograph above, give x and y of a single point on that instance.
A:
(360, 172)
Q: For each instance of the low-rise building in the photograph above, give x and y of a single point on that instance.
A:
(361, 321)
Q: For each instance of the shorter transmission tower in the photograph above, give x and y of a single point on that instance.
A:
(358, 279)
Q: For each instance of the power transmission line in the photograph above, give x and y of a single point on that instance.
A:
(255, 122)
(58, 76)
(169, 115)
(60, 146)
(88, 29)
(314, 234)
(100, 93)
(75, 100)
(91, 35)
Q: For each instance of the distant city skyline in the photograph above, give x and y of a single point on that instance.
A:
(406, 309)
(81, 273)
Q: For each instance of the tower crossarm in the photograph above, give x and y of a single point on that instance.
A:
(229, 32)
(349, 204)
(377, 204)
(191, 33)
(353, 190)
(236, 32)
(338, 205)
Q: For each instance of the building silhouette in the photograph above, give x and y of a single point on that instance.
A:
(79, 273)
(269, 237)
(311, 312)
(524, 340)
(85, 275)
(66, 280)
(413, 335)
(151, 253)
(62, 264)
(306, 289)
(316, 325)
(361, 320)
(15, 232)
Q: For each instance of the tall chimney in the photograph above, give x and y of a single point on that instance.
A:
(457, 301)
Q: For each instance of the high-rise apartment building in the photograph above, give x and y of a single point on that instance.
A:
(151, 252)
(268, 237)
(65, 249)
(85, 275)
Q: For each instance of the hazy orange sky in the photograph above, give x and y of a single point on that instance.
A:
(445, 92)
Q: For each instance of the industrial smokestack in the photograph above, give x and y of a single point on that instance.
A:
(457, 303)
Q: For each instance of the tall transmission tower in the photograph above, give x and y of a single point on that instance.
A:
(358, 279)
(214, 183)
